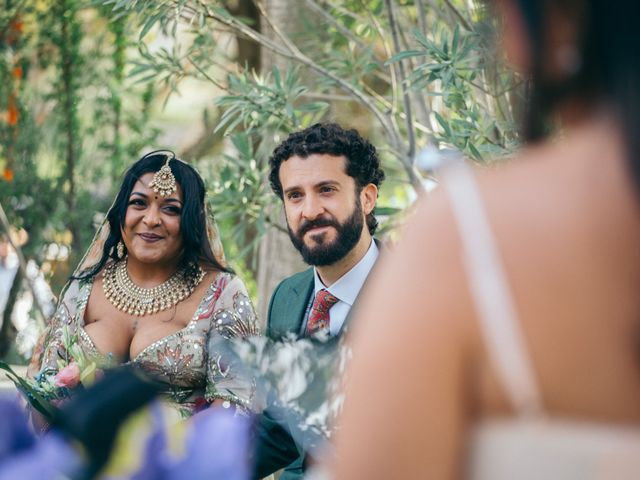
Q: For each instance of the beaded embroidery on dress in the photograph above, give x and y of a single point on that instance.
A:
(183, 361)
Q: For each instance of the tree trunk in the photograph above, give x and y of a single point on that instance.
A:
(249, 54)
(277, 258)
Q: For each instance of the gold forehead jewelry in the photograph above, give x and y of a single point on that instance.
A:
(163, 182)
(129, 298)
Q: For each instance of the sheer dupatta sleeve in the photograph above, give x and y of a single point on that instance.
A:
(75, 292)
(50, 345)
(233, 316)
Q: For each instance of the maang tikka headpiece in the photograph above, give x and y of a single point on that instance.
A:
(163, 182)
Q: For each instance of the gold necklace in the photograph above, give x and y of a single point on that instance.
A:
(128, 297)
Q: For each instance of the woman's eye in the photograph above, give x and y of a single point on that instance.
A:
(173, 210)
(137, 202)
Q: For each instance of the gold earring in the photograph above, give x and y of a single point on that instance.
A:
(120, 250)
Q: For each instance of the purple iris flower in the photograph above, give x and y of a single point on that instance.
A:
(24, 457)
(51, 457)
(217, 446)
(15, 434)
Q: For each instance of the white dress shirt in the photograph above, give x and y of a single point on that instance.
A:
(346, 288)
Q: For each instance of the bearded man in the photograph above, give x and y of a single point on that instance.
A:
(327, 178)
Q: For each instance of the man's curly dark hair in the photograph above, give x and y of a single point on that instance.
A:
(363, 164)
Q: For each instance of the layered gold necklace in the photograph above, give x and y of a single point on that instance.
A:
(128, 297)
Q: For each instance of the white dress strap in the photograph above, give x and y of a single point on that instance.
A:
(490, 290)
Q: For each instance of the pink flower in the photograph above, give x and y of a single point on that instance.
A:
(68, 377)
(201, 404)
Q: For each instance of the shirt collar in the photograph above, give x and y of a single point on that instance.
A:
(347, 287)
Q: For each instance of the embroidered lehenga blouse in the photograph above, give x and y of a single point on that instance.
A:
(185, 362)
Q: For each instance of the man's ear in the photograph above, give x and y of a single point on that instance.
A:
(368, 197)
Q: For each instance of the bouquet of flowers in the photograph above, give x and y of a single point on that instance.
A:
(53, 385)
(300, 382)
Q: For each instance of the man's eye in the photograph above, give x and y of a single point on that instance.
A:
(293, 195)
(327, 189)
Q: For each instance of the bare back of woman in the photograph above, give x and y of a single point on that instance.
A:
(569, 253)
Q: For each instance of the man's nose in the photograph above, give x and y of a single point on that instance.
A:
(312, 207)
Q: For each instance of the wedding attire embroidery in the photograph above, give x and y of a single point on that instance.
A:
(182, 360)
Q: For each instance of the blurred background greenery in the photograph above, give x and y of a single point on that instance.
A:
(88, 86)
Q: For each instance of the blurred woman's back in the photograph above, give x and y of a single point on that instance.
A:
(562, 356)
(516, 291)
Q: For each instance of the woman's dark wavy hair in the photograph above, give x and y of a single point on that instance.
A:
(193, 224)
(609, 69)
(363, 164)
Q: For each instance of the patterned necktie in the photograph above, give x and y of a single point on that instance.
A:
(319, 315)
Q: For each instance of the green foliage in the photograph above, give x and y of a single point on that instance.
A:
(78, 121)
(239, 196)
(267, 102)
(425, 73)
(241, 202)
(450, 71)
(409, 75)
(19, 132)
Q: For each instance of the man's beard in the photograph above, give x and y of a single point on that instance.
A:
(326, 252)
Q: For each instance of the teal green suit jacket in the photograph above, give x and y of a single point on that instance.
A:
(288, 305)
(276, 448)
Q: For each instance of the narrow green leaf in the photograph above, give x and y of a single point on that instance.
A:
(456, 38)
(149, 23)
(405, 54)
(444, 124)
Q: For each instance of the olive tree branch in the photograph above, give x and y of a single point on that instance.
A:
(403, 82)
(248, 32)
(465, 23)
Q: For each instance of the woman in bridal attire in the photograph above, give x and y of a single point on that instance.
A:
(153, 290)
(504, 327)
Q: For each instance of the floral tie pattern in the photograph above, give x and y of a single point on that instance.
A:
(319, 316)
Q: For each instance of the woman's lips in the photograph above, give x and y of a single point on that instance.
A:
(149, 237)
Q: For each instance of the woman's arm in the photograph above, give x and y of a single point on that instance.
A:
(407, 397)
(233, 317)
(50, 342)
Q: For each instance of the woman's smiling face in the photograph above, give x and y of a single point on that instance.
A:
(151, 229)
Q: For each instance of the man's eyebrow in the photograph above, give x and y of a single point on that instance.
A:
(323, 183)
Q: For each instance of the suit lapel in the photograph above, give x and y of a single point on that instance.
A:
(289, 304)
(300, 292)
